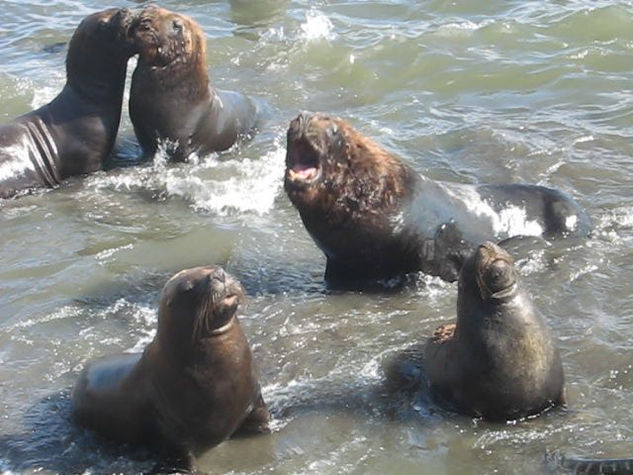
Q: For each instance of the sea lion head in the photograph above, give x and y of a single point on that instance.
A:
(197, 304)
(332, 168)
(489, 275)
(167, 39)
(103, 36)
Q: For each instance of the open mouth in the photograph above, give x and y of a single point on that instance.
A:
(303, 165)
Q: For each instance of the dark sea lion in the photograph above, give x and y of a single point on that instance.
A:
(499, 360)
(375, 217)
(192, 387)
(73, 134)
(171, 100)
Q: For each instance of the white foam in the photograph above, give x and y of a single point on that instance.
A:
(146, 318)
(535, 262)
(4, 470)
(107, 253)
(434, 287)
(317, 26)
(510, 221)
(61, 314)
(252, 184)
(571, 222)
(611, 224)
(461, 28)
(513, 221)
(45, 94)
(588, 269)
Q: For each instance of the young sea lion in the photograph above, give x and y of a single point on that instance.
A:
(171, 99)
(74, 133)
(192, 387)
(375, 217)
(499, 360)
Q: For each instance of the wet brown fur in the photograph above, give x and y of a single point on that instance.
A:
(178, 60)
(362, 179)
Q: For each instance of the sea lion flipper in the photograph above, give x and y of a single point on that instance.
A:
(405, 370)
(257, 422)
(175, 461)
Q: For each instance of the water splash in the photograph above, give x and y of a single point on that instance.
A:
(317, 26)
(45, 94)
(212, 184)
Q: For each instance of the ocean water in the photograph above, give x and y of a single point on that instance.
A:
(465, 91)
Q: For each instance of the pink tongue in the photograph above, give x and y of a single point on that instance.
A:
(308, 173)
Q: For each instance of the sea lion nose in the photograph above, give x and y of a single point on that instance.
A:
(219, 275)
(298, 124)
(304, 119)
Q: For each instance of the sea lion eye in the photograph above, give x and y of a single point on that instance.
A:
(103, 24)
(177, 26)
(145, 24)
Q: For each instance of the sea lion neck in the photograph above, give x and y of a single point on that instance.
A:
(96, 62)
(187, 78)
(99, 84)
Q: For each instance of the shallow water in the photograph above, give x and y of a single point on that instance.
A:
(471, 92)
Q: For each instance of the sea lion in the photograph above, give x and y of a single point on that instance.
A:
(75, 132)
(499, 360)
(171, 100)
(192, 387)
(375, 217)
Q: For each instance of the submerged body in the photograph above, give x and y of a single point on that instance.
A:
(375, 217)
(172, 102)
(499, 360)
(194, 385)
(75, 133)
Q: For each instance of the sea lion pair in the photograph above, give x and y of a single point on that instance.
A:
(375, 217)
(171, 101)
(192, 387)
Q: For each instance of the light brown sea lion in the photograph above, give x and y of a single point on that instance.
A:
(192, 387)
(171, 100)
(499, 360)
(375, 217)
(74, 133)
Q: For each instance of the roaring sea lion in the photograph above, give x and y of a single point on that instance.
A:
(375, 217)
(171, 100)
(499, 360)
(74, 133)
(192, 387)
